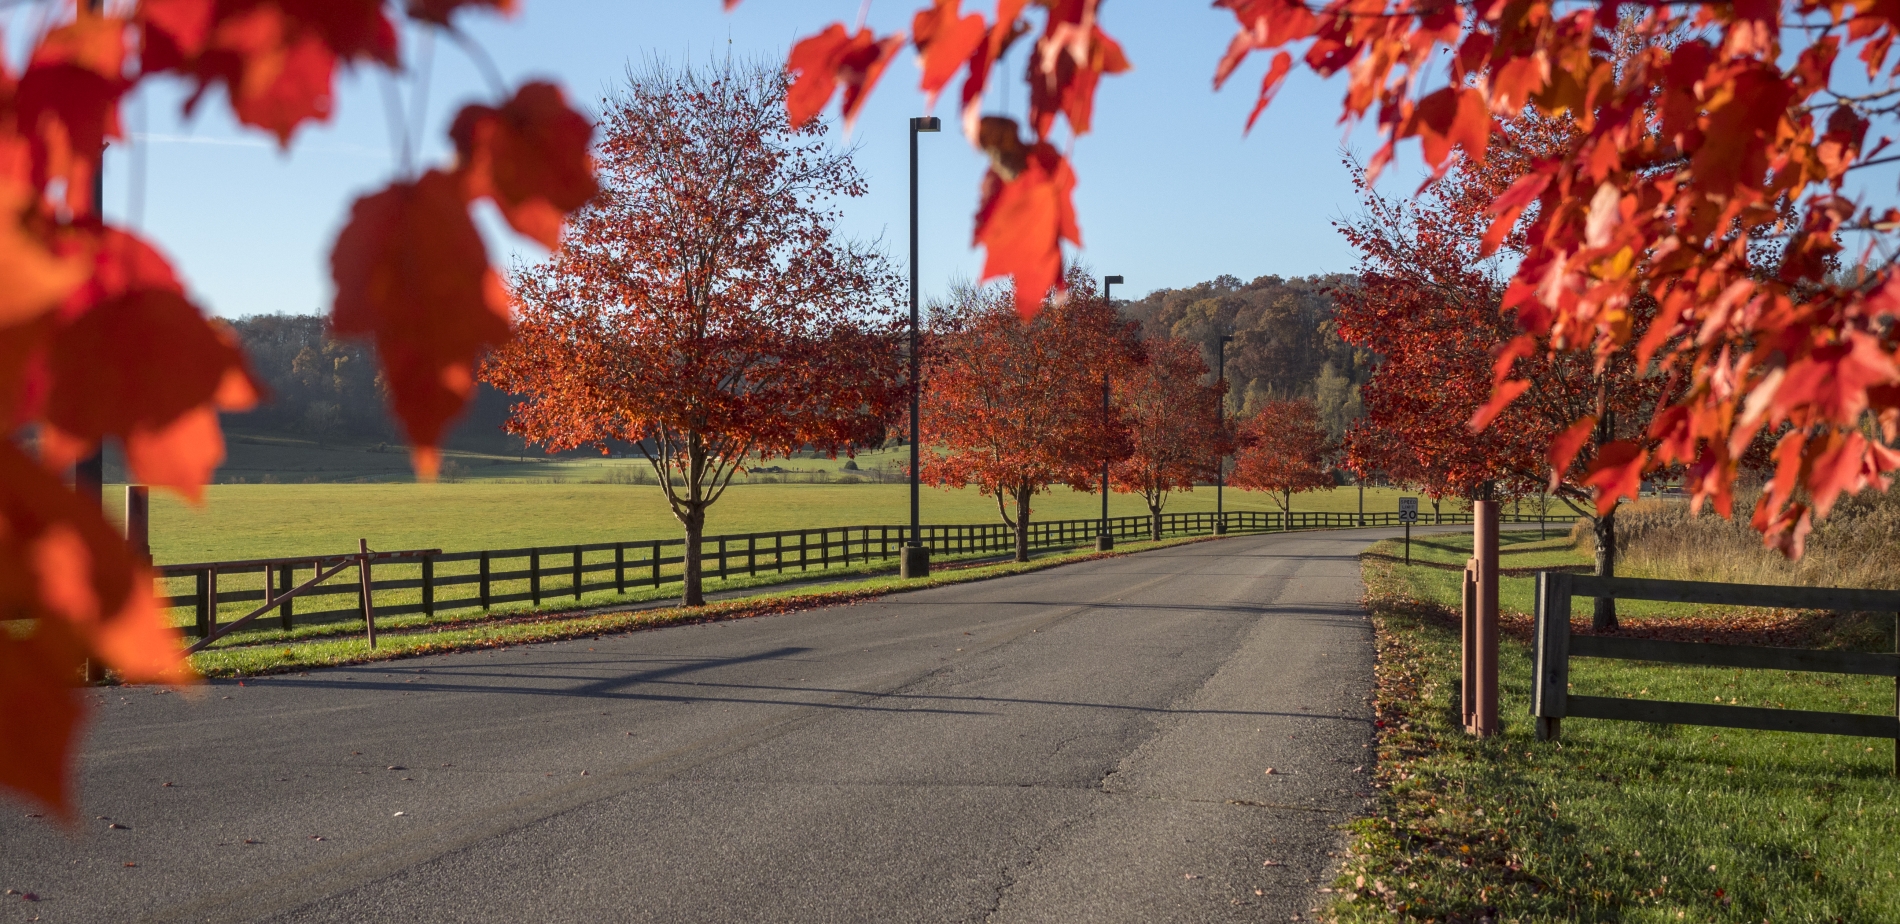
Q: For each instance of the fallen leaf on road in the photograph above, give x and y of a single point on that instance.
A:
(1271, 863)
(1189, 876)
(118, 826)
(1269, 771)
(399, 814)
(131, 864)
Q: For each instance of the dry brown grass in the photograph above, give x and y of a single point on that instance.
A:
(1857, 546)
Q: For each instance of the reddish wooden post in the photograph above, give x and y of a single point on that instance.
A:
(1468, 646)
(363, 576)
(1485, 542)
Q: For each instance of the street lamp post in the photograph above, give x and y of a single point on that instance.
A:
(1104, 540)
(1220, 462)
(916, 560)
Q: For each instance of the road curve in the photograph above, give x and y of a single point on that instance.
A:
(1087, 743)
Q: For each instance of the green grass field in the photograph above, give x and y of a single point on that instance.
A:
(253, 458)
(266, 520)
(1619, 821)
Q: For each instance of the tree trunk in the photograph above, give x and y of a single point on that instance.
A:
(1022, 525)
(1604, 619)
(1286, 511)
(691, 594)
(1154, 521)
(1438, 516)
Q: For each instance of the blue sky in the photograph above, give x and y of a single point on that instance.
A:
(1170, 191)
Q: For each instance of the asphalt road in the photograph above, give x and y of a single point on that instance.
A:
(1087, 743)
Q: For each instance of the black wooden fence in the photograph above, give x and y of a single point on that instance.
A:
(1552, 701)
(436, 583)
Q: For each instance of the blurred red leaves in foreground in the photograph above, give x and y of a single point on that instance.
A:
(100, 342)
(1707, 178)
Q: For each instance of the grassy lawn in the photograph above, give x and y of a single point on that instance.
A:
(266, 520)
(1618, 821)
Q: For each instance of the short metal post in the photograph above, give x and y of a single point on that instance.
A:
(1408, 544)
(363, 576)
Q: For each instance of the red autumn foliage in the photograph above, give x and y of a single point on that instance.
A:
(1015, 405)
(100, 343)
(1283, 450)
(1710, 132)
(703, 307)
(1175, 427)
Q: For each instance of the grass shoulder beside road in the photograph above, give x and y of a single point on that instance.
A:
(1619, 821)
(524, 627)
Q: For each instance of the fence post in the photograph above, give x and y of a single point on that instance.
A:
(286, 579)
(656, 562)
(534, 575)
(577, 572)
(751, 554)
(722, 558)
(1550, 670)
(363, 583)
(211, 600)
(620, 567)
(778, 551)
(199, 627)
(1468, 645)
(428, 586)
(802, 554)
(484, 580)
(1485, 543)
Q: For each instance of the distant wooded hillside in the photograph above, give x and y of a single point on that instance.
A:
(330, 390)
(1285, 344)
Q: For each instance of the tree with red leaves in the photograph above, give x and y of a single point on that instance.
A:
(1283, 450)
(1015, 405)
(704, 307)
(1712, 133)
(100, 342)
(1428, 303)
(1175, 425)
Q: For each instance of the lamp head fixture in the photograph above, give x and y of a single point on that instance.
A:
(1112, 280)
(926, 124)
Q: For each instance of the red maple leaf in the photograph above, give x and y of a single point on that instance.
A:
(412, 274)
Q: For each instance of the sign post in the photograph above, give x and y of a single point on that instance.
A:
(1408, 514)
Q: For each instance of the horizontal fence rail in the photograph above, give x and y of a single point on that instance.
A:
(432, 582)
(1552, 701)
